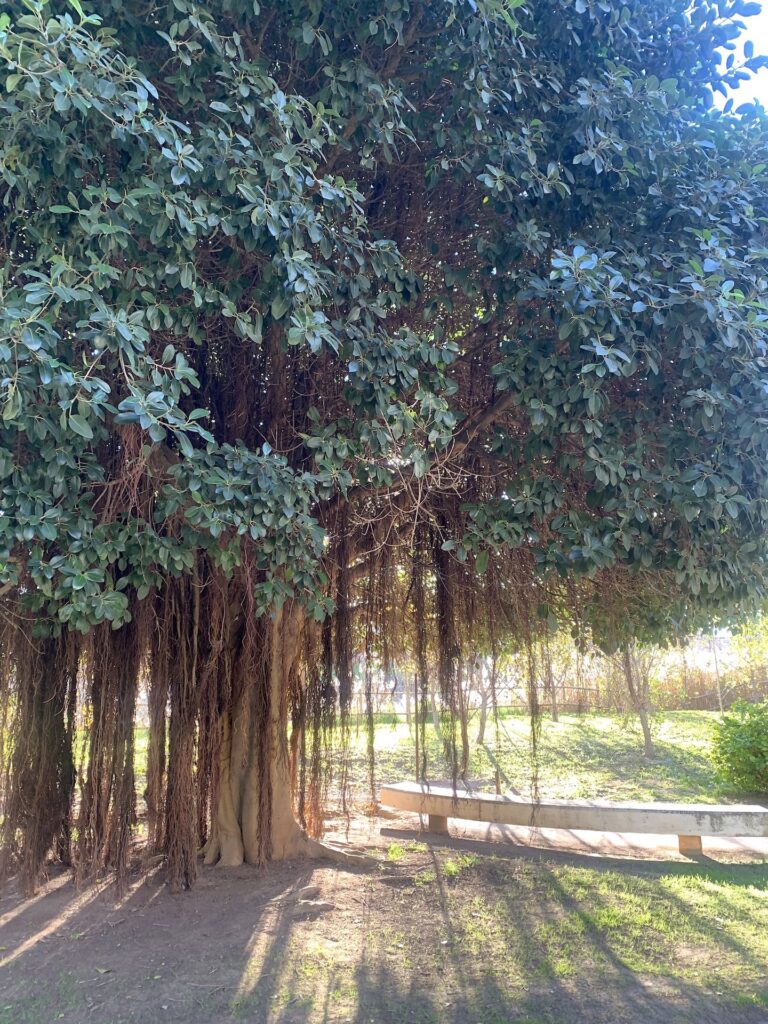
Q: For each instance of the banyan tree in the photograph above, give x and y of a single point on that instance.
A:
(341, 329)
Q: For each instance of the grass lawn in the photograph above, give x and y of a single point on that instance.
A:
(591, 756)
(566, 942)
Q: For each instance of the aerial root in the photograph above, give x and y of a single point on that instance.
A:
(316, 850)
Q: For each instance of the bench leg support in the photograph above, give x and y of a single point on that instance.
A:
(690, 845)
(437, 823)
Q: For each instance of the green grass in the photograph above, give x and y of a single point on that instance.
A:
(590, 756)
(516, 925)
(492, 939)
(704, 927)
(396, 852)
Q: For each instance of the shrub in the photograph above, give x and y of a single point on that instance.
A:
(741, 746)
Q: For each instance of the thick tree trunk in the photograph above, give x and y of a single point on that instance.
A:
(286, 839)
(254, 819)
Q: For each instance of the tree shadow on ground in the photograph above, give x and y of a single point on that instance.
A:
(396, 947)
(642, 865)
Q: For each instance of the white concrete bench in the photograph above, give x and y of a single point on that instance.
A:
(689, 822)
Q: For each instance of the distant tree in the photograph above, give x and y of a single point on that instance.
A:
(331, 327)
(636, 666)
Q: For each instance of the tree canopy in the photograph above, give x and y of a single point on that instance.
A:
(336, 327)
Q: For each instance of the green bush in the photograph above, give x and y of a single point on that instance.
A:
(741, 746)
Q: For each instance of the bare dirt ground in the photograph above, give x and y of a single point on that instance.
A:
(458, 931)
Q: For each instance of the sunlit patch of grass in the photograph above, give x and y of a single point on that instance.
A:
(454, 866)
(501, 927)
(396, 852)
(709, 928)
(581, 756)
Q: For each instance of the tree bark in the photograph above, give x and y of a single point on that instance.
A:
(648, 750)
(640, 702)
(254, 819)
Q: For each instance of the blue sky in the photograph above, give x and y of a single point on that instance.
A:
(757, 87)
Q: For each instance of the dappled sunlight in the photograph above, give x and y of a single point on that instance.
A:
(153, 877)
(260, 969)
(77, 903)
(59, 902)
(719, 913)
(443, 932)
(25, 904)
(301, 956)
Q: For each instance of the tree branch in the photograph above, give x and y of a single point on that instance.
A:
(481, 420)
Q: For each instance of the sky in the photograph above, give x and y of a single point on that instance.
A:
(757, 87)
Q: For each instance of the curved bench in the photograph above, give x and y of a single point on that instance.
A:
(689, 822)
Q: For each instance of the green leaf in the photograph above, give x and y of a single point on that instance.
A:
(12, 405)
(280, 306)
(80, 426)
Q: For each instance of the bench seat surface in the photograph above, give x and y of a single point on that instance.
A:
(589, 815)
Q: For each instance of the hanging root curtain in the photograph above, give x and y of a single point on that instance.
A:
(246, 714)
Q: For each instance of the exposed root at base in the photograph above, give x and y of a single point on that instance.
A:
(209, 851)
(316, 850)
(300, 846)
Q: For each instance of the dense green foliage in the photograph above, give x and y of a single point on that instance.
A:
(186, 187)
(741, 746)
